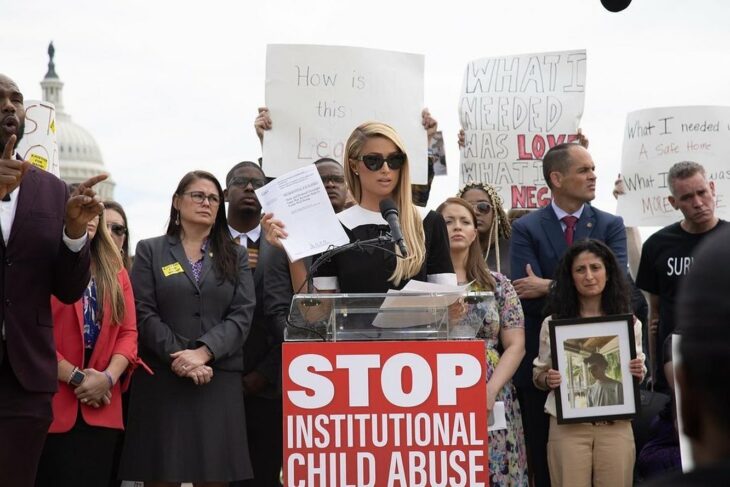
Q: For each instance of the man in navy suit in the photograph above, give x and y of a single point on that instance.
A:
(538, 242)
(44, 251)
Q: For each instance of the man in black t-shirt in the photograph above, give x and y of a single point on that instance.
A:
(666, 256)
(703, 365)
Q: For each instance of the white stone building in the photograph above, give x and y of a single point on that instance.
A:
(78, 153)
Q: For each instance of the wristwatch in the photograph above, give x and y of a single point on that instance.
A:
(77, 377)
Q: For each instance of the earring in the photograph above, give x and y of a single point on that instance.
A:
(177, 219)
(357, 173)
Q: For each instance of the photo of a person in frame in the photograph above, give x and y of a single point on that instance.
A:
(605, 391)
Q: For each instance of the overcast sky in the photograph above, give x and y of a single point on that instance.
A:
(166, 87)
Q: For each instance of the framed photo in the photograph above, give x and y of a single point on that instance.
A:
(592, 356)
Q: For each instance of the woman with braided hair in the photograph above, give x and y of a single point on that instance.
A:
(493, 225)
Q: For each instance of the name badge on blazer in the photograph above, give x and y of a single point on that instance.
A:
(171, 269)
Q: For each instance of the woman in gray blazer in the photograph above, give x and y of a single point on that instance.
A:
(195, 298)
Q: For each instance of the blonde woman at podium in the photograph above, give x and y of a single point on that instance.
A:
(376, 170)
(500, 331)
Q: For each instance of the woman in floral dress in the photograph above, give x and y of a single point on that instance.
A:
(503, 329)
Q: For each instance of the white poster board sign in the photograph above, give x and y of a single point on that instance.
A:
(317, 95)
(657, 138)
(38, 145)
(513, 109)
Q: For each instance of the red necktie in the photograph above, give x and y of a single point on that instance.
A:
(570, 222)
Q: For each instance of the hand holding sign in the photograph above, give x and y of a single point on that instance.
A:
(262, 123)
(11, 170)
(83, 206)
(429, 123)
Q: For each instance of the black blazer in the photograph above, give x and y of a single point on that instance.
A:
(262, 351)
(34, 265)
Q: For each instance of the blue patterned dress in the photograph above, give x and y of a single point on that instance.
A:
(92, 327)
(507, 454)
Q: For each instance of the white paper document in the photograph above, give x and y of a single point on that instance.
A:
(497, 419)
(299, 200)
(404, 298)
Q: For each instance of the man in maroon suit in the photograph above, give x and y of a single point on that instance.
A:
(43, 251)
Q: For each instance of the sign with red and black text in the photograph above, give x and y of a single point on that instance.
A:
(657, 138)
(513, 109)
(390, 414)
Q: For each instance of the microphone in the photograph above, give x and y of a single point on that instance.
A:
(390, 214)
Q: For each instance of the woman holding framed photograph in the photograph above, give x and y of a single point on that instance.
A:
(589, 283)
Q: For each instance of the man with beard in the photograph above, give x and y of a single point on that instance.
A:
(666, 256)
(44, 251)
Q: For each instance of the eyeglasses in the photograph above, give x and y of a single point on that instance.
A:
(333, 179)
(241, 181)
(117, 229)
(375, 161)
(482, 207)
(199, 197)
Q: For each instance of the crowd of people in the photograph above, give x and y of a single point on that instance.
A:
(166, 367)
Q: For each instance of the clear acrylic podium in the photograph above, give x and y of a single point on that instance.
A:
(397, 316)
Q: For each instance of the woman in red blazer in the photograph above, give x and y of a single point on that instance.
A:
(96, 343)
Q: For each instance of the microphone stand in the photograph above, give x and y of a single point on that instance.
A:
(360, 245)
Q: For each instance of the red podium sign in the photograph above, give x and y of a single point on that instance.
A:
(395, 414)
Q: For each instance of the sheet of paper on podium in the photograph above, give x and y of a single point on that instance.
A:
(404, 299)
(299, 199)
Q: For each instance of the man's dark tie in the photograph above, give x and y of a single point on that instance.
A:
(570, 222)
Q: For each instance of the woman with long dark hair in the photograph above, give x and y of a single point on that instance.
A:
(96, 344)
(195, 300)
(588, 283)
(502, 331)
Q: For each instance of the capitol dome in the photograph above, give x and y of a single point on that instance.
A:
(79, 154)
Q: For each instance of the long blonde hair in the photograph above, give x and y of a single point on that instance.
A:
(410, 219)
(106, 264)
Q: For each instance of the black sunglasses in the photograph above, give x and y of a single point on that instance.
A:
(241, 181)
(375, 161)
(482, 207)
(117, 229)
(333, 179)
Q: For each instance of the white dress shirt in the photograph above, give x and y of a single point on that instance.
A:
(254, 234)
(560, 213)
